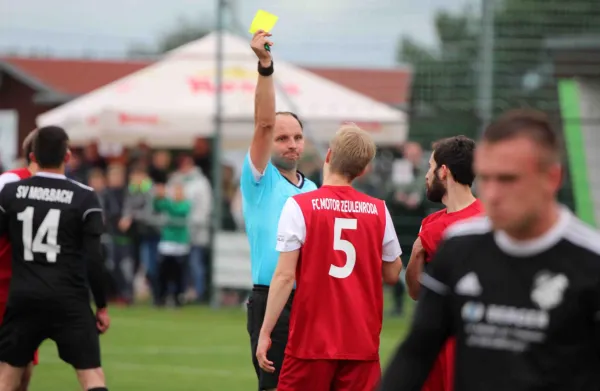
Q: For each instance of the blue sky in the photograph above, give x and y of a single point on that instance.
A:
(348, 33)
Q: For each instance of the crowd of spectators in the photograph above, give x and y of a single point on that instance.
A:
(158, 206)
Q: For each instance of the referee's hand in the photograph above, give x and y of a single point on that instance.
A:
(102, 320)
(259, 40)
(264, 344)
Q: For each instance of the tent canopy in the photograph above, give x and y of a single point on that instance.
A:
(172, 101)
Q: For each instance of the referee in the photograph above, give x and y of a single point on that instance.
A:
(520, 288)
(269, 177)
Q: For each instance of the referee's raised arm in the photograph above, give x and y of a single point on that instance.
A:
(264, 103)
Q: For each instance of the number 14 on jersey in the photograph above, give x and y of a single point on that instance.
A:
(47, 230)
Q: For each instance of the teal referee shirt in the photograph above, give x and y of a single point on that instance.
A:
(263, 197)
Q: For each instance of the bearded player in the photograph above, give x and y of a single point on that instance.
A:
(337, 244)
(5, 248)
(449, 181)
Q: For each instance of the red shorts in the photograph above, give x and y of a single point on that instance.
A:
(2, 311)
(441, 377)
(328, 375)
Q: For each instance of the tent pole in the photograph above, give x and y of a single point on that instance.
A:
(216, 147)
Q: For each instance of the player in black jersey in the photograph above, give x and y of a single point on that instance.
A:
(520, 288)
(54, 226)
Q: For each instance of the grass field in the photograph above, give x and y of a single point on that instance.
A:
(177, 350)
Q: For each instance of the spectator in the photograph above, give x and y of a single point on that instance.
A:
(121, 259)
(405, 203)
(76, 169)
(202, 157)
(140, 154)
(140, 219)
(97, 181)
(174, 245)
(160, 167)
(409, 176)
(199, 192)
(365, 183)
(92, 157)
(230, 187)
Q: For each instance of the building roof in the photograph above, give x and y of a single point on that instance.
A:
(575, 56)
(63, 79)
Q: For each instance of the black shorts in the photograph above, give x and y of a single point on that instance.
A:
(73, 329)
(257, 306)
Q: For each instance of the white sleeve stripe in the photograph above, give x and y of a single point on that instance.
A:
(2, 210)
(87, 212)
(8, 177)
(432, 284)
(391, 258)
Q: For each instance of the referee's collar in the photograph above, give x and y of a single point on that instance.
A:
(525, 248)
(301, 179)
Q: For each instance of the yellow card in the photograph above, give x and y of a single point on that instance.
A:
(263, 20)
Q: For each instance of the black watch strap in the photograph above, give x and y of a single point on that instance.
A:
(268, 71)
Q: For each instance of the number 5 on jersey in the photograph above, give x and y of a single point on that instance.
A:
(48, 229)
(345, 246)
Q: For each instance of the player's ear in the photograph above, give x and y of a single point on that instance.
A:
(443, 172)
(556, 174)
(328, 156)
(32, 157)
(68, 156)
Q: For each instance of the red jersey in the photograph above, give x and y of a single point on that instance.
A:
(343, 236)
(5, 253)
(434, 225)
(441, 377)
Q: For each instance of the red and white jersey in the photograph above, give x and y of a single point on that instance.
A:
(5, 248)
(433, 226)
(343, 236)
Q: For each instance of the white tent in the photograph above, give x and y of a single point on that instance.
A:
(172, 101)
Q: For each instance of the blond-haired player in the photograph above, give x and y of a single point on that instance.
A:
(337, 244)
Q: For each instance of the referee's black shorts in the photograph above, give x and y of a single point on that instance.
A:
(257, 306)
(72, 327)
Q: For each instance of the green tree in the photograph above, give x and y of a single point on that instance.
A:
(183, 31)
(445, 76)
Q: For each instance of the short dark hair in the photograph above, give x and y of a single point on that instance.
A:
(138, 168)
(291, 115)
(529, 123)
(27, 146)
(456, 153)
(50, 146)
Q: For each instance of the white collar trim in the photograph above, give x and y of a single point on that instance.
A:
(50, 175)
(524, 248)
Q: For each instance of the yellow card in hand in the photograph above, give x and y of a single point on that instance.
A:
(263, 20)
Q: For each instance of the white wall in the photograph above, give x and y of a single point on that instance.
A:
(589, 99)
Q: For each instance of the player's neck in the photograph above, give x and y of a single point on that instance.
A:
(335, 180)
(544, 223)
(458, 197)
(32, 168)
